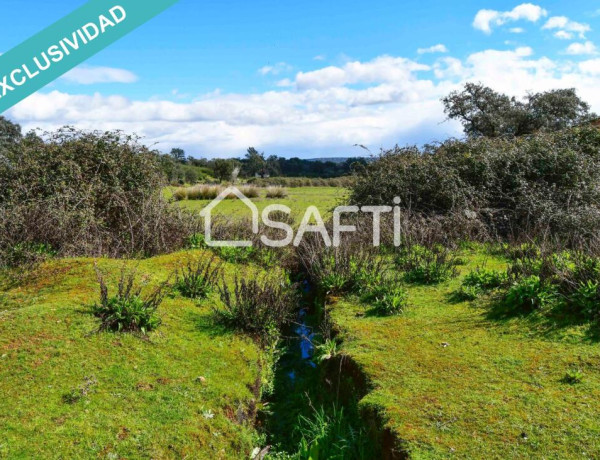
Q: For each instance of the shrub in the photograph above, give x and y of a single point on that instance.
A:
(546, 181)
(259, 307)
(86, 194)
(427, 265)
(276, 192)
(197, 278)
(128, 310)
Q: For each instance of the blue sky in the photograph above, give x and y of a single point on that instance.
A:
(308, 78)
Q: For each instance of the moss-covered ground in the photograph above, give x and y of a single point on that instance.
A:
(460, 380)
(67, 391)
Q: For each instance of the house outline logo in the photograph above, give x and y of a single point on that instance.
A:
(206, 213)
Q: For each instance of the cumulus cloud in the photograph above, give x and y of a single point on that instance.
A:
(517, 30)
(566, 27)
(577, 49)
(485, 20)
(276, 69)
(433, 49)
(377, 103)
(591, 67)
(382, 69)
(86, 75)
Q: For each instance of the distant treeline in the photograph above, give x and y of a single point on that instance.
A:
(180, 168)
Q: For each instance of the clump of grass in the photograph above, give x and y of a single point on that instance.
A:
(198, 278)
(427, 265)
(203, 192)
(331, 434)
(128, 310)
(180, 194)
(258, 307)
(276, 192)
(250, 191)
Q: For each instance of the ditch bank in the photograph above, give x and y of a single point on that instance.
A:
(315, 403)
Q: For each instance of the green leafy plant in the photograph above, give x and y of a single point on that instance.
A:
(586, 299)
(326, 351)
(485, 280)
(197, 278)
(467, 293)
(573, 377)
(387, 298)
(530, 294)
(128, 310)
(427, 265)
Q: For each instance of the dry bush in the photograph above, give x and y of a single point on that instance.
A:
(76, 193)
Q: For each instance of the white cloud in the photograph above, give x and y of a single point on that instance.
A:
(320, 57)
(517, 30)
(382, 69)
(564, 35)
(577, 49)
(276, 69)
(378, 103)
(591, 67)
(86, 75)
(568, 27)
(433, 49)
(485, 20)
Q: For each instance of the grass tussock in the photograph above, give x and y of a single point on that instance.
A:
(276, 192)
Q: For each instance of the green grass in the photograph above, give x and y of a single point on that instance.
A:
(456, 380)
(324, 198)
(69, 392)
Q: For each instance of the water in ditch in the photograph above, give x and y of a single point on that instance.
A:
(305, 413)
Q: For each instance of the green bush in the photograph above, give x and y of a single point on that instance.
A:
(427, 265)
(128, 310)
(515, 186)
(197, 279)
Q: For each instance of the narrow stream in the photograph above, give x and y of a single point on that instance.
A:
(303, 391)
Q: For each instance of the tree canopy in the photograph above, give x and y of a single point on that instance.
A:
(484, 112)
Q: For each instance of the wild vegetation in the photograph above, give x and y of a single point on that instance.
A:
(476, 337)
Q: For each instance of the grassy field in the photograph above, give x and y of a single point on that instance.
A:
(70, 392)
(458, 380)
(324, 198)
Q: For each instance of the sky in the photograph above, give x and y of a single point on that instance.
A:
(312, 78)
